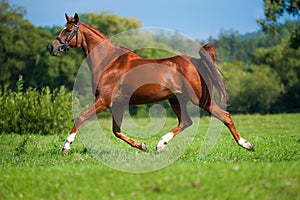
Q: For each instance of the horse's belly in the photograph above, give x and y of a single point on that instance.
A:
(150, 93)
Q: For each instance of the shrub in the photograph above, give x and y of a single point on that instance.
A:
(35, 112)
(252, 89)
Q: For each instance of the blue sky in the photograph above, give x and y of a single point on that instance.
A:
(197, 19)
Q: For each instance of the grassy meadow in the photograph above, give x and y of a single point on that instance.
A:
(32, 167)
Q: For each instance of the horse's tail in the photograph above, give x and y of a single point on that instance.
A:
(212, 73)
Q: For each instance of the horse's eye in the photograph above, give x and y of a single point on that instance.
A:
(68, 30)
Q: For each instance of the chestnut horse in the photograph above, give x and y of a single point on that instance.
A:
(121, 78)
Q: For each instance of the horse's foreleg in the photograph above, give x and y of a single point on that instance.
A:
(184, 121)
(95, 108)
(117, 116)
(225, 117)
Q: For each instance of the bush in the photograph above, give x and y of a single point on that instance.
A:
(252, 89)
(35, 112)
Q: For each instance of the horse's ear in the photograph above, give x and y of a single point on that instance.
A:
(76, 17)
(67, 17)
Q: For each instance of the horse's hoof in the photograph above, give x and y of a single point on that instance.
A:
(245, 144)
(144, 146)
(65, 150)
(250, 147)
(160, 149)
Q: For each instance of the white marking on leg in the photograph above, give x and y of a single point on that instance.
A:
(70, 139)
(241, 141)
(67, 145)
(247, 145)
(164, 140)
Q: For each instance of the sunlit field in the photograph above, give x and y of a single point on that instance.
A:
(32, 166)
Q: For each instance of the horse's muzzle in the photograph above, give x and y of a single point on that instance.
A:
(50, 48)
(54, 50)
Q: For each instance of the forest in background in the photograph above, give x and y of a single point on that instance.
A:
(261, 71)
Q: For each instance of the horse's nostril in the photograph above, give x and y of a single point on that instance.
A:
(50, 48)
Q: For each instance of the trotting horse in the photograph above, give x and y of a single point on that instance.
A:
(121, 78)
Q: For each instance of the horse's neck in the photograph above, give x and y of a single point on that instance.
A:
(95, 40)
(99, 50)
(91, 38)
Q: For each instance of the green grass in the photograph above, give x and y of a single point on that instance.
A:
(32, 167)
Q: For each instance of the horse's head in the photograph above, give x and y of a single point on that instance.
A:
(67, 38)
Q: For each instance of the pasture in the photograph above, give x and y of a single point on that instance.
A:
(32, 166)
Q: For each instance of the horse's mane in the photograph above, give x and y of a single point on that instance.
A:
(103, 36)
(96, 31)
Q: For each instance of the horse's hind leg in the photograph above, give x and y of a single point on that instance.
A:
(225, 117)
(95, 108)
(184, 121)
(117, 117)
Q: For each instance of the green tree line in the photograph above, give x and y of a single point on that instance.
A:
(261, 71)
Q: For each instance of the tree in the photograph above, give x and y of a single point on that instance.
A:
(229, 46)
(22, 45)
(285, 61)
(252, 88)
(110, 24)
(274, 10)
